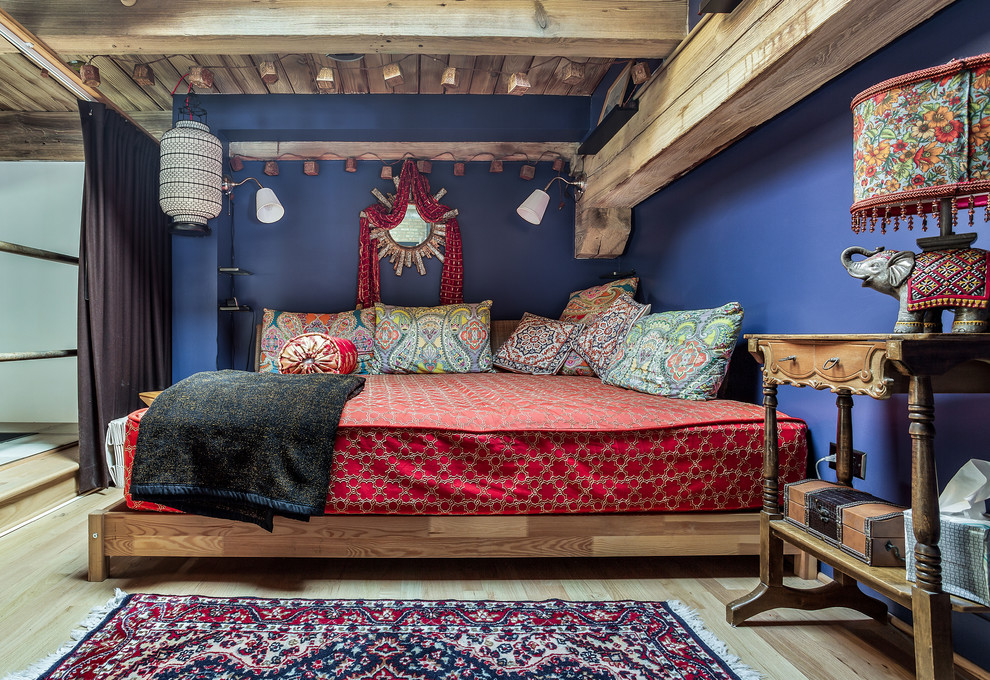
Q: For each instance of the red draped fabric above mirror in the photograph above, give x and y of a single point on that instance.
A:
(413, 187)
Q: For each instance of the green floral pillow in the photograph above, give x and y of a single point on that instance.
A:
(445, 339)
(678, 354)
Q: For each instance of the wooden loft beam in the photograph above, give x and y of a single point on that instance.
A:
(390, 151)
(733, 73)
(567, 28)
(57, 136)
(45, 58)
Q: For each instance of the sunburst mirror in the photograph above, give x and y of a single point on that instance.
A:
(413, 240)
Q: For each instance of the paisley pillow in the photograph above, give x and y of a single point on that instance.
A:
(445, 339)
(591, 301)
(678, 354)
(538, 345)
(599, 340)
(279, 327)
(317, 353)
(575, 364)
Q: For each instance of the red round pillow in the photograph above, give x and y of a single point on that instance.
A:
(317, 353)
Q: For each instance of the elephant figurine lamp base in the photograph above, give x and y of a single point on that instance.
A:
(927, 283)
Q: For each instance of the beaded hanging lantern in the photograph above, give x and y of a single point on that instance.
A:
(190, 174)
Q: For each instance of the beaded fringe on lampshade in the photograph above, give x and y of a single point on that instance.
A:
(920, 138)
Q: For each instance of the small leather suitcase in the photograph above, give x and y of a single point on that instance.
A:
(860, 524)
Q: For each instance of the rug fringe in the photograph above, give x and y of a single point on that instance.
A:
(95, 617)
(697, 626)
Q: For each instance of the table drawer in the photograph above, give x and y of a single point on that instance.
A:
(857, 366)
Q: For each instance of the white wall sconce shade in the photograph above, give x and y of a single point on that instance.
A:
(268, 207)
(534, 207)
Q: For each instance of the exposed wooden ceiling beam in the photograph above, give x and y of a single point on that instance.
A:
(57, 136)
(734, 73)
(579, 28)
(45, 58)
(389, 151)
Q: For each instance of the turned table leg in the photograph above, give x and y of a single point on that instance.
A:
(843, 437)
(769, 594)
(930, 605)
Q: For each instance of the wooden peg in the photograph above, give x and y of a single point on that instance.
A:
(425, 167)
(266, 70)
(90, 75)
(558, 164)
(450, 77)
(143, 75)
(386, 172)
(324, 80)
(393, 75)
(458, 169)
(640, 72)
(236, 164)
(311, 168)
(573, 73)
(496, 166)
(527, 172)
(350, 165)
(518, 83)
(200, 76)
(271, 168)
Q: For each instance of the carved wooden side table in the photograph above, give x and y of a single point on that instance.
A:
(877, 366)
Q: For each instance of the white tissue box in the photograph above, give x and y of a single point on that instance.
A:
(965, 546)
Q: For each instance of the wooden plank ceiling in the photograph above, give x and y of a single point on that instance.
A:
(729, 75)
(486, 41)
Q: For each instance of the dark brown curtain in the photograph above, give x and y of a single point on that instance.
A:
(125, 282)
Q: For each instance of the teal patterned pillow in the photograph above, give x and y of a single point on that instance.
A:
(446, 339)
(678, 354)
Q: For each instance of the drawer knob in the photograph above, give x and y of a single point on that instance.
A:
(831, 363)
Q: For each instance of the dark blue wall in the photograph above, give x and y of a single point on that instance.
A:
(764, 223)
(307, 261)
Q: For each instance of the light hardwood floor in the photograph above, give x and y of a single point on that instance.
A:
(44, 594)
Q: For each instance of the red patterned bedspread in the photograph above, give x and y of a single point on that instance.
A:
(500, 443)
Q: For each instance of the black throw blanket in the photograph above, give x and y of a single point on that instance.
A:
(242, 446)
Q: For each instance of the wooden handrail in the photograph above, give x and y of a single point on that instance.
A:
(37, 252)
(26, 356)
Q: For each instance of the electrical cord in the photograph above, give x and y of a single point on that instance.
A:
(824, 459)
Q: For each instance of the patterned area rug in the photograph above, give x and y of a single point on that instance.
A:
(161, 636)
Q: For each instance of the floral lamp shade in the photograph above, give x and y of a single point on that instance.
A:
(190, 175)
(922, 146)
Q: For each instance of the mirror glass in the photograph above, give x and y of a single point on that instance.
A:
(413, 230)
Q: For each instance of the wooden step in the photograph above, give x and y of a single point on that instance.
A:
(32, 485)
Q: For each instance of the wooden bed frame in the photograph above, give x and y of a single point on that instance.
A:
(118, 531)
